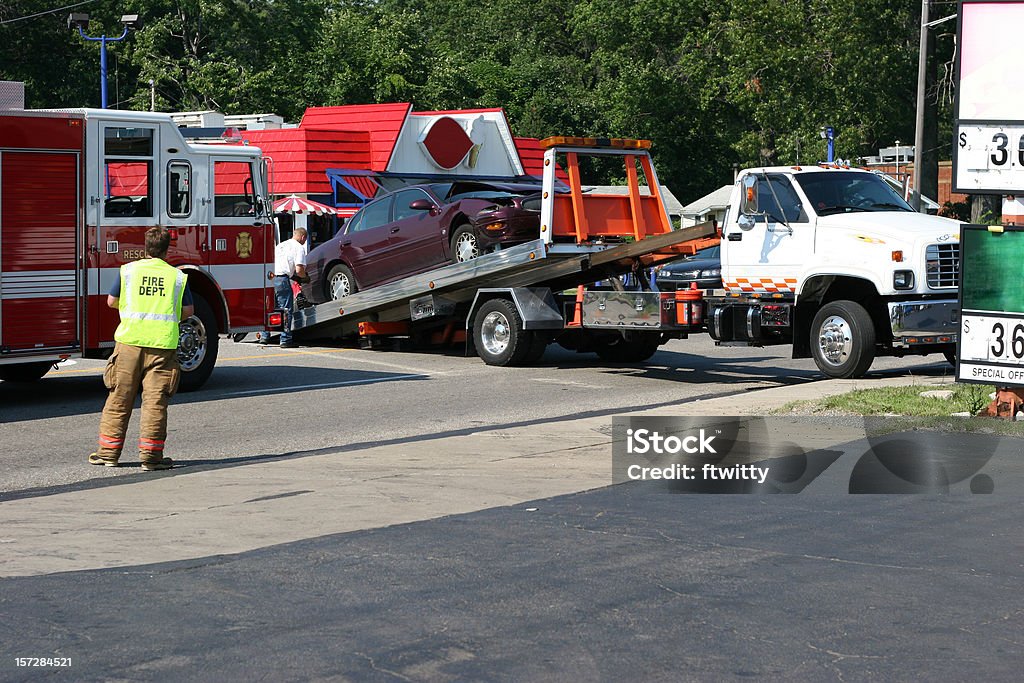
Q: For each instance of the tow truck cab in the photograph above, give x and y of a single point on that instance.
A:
(833, 261)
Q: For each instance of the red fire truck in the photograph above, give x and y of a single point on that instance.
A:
(79, 189)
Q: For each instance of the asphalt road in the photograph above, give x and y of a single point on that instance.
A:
(620, 583)
(266, 402)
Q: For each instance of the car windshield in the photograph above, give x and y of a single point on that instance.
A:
(483, 191)
(846, 192)
(482, 194)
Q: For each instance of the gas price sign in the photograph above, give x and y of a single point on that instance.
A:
(988, 151)
(990, 158)
(991, 305)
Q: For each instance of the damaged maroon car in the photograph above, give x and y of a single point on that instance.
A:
(418, 228)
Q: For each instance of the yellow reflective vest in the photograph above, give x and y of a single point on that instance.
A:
(150, 304)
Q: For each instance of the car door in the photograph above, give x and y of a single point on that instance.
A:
(366, 245)
(417, 235)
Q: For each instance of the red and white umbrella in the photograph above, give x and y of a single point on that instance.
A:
(296, 204)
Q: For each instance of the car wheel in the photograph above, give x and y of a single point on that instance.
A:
(340, 283)
(499, 335)
(24, 372)
(465, 244)
(843, 340)
(198, 342)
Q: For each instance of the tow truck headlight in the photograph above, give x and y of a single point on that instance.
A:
(903, 279)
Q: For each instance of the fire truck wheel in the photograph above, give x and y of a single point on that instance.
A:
(843, 340)
(24, 372)
(197, 345)
(499, 335)
(635, 350)
(465, 244)
(340, 282)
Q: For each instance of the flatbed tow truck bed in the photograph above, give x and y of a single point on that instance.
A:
(533, 264)
(509, 305)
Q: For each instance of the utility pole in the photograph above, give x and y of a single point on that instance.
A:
(922, 76)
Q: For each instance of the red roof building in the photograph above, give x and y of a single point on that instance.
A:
(345, 152)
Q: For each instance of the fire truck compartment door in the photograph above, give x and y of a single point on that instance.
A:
(40, 279)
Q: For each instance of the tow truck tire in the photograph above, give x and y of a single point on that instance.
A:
(538, 345)
(950, 355)
(340, 283)
(465, 244)
(635, 350)
(499, 335)
(24, 372)
(843, 340)
(198, 344)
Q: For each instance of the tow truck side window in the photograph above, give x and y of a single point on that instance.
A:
(778, 201)
(127, 172)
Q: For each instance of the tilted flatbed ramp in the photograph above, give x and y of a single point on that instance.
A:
(557, 266)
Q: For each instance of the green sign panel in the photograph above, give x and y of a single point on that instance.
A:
(991, 305)
(992, 269)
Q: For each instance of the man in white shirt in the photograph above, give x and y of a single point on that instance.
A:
(289, 262)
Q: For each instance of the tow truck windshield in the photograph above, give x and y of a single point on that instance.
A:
(843, 192)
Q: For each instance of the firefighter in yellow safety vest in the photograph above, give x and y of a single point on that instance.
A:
(151, 297)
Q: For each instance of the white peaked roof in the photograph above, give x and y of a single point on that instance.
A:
(719, 199)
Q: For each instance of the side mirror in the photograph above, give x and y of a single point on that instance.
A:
(749, 199)
(745, 221)
(421, 205)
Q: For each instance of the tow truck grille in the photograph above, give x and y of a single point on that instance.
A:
(942, 265)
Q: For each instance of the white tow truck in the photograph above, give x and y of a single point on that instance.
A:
(832, 260)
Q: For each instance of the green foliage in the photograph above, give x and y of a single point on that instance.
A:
(712, 82)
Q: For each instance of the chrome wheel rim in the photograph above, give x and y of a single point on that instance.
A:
(466, 247)
(495, 333)
(835, 340)
(191, 343)
(340, 286)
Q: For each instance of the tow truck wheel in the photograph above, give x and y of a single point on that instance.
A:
(24, 372)
(340, 282)
(465, 244)
(197, 345)
(538, 345)
(843, 340)
(635, 350)
(950, 355)
(499, 335)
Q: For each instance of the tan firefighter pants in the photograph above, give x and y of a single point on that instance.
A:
(157, 372)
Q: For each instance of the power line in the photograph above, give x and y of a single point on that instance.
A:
(49, 11)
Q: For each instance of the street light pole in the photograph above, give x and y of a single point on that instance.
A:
(81, 21)
(103, 40)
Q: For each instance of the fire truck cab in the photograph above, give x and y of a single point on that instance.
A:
(79, 189)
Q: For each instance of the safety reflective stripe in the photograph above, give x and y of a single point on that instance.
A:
(151, 444)
(150, 316)
(179, 285)
(126, 284)
(110, 441)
